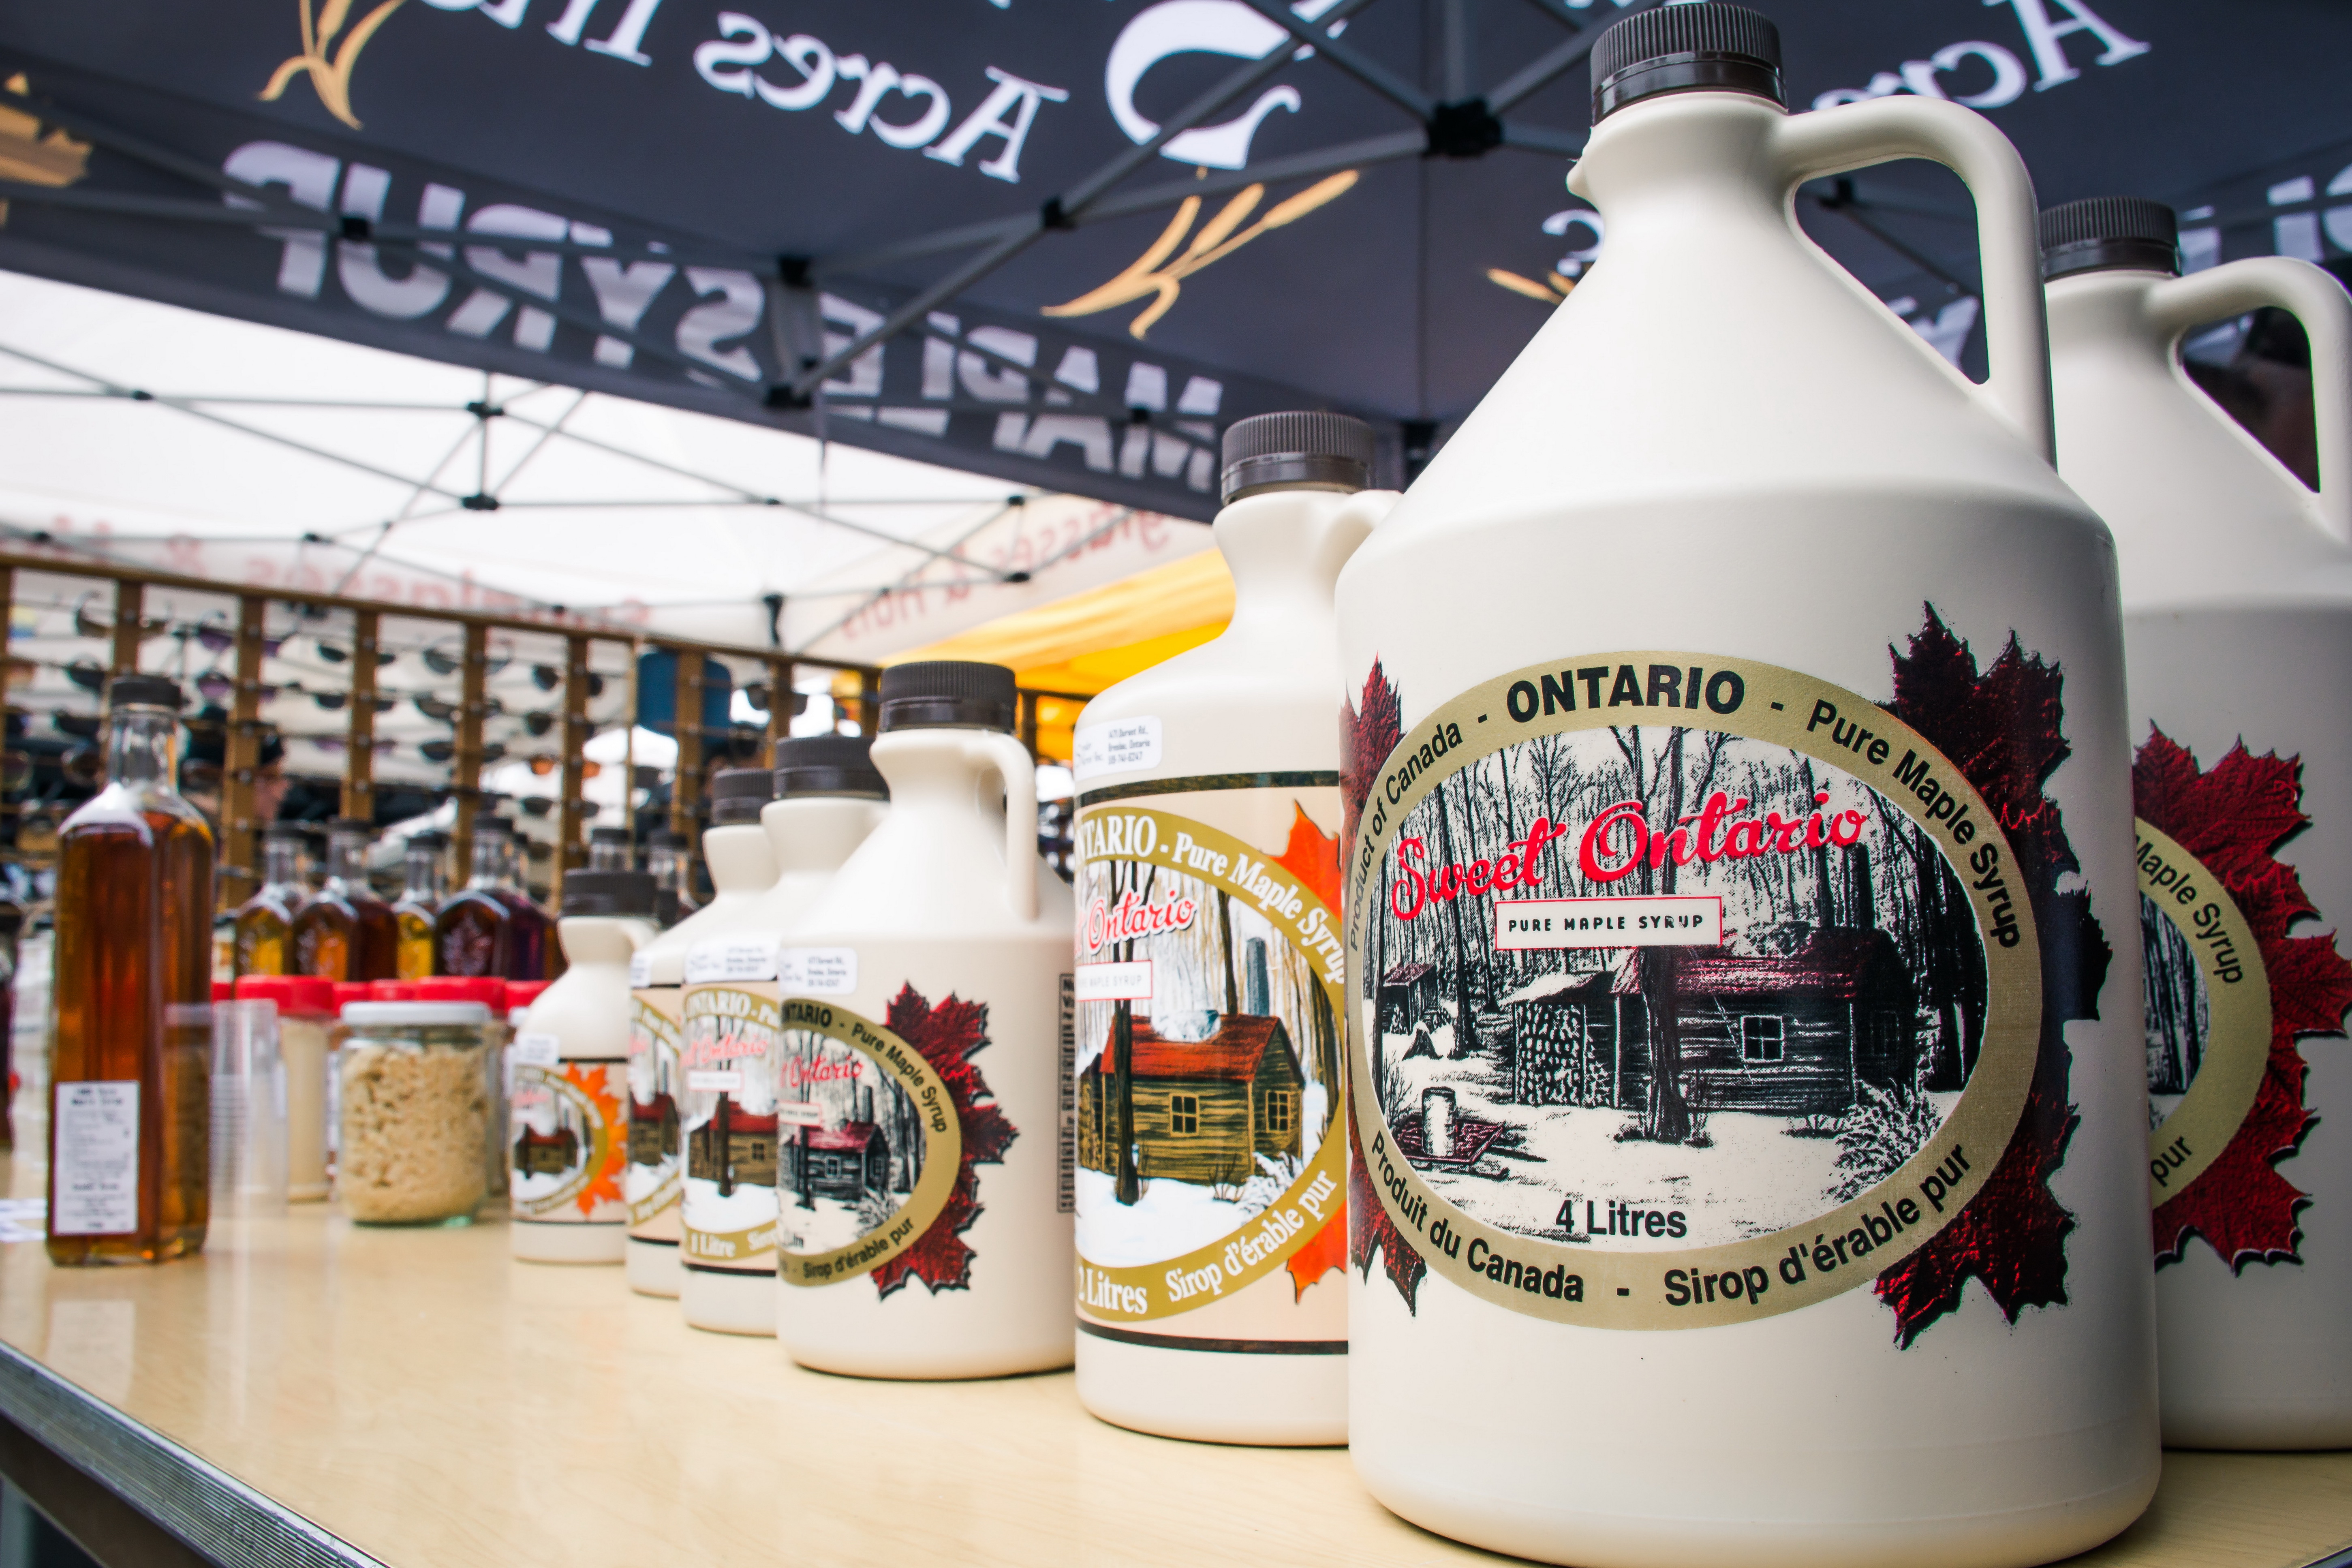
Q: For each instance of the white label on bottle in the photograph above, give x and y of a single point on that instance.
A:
(818, 971)
(535, 1049)
(714, 1080)
(724, 958)
(800, 1113)
(1126, 982)
(641, 971)
(1125, 746)
(97, 1179)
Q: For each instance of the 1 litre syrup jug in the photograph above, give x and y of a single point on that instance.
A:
(828, 798)
(567, 1132)
(742, 867)
(924, 1188)
(1212, 1167)
(2237, 592)
(1744, 1066)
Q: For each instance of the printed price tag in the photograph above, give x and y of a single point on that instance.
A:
(714, 1080)
(1125, 746)
(818, 971)
(533, 1049)
(1115, 982)
(725, 958)
(641, 971)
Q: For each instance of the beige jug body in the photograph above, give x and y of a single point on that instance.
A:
(924, 1204)
(1211, 1303)
(741, 866)
(1719, 1074)
(2237, 585)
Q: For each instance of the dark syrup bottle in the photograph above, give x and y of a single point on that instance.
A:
(347, 931)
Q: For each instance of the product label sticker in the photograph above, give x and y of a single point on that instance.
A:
(885, 1123)
(97, 1178)
(727, 1042)
(641, 971)
(817, 971)
(537, 1049)
(1127, 746)
(871, 1149)
(721, 959)
(656, 1090)
(567, 1140)
(2227, 992)
(1682, 1020)
(1208, 1064)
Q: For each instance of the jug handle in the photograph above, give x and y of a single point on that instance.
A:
(2017, 334)
(2319, 302)
(1011, 762)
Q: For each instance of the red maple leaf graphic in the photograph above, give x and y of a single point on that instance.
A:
(1370, 1229)
(2231, 820)
(1369, 732)
(946, 1036)
(2003, 731)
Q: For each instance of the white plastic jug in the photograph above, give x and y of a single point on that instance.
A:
(1212, 1183)
(1747, 1095)
(925, 1189)
(828, 797)
(2237, 590)
(741, 866)
(567, 1132)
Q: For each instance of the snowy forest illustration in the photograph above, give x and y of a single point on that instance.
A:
(1236, 1021)
(1745, 1086)
(848, 1175)
(2179, 1013)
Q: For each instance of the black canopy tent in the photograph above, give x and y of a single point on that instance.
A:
(1062, 243)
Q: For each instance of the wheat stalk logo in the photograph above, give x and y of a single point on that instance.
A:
(331, 76)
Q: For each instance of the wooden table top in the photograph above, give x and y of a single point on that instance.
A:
(418, 1398)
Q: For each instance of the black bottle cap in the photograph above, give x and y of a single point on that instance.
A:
(738, 794)
(351, 825)
(487, 824)
(297, 831)
(1705, 47)
(145, 692)
(1297, 451)
(828, 764)
(2107, 232)
(431, 838)
(609, 893)
(607, 835)
(947, 692)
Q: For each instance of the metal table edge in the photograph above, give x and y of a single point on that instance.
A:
(212, 1511)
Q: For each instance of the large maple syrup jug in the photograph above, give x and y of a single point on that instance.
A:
(1743, 1013)
(742, 867)
(924, 1188)
(821, 800)
(2233, 576)
(1212, 1165)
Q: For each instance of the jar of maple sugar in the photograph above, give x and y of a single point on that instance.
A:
(413, 1111)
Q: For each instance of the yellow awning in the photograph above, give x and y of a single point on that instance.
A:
(1095, 639)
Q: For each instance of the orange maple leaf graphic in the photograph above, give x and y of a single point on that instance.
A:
(1313, 859)
(604, 1182)
(1322, 1253)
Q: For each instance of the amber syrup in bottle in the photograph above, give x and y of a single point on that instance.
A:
(265, 922)
(419, 903)
(130, 1102)
(347, 931)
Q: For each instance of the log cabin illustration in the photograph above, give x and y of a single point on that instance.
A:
(1204, 1110)
(734, 1149)
(546, 1153)
(1790, 1021)
(848, 1163)
(1408, 995)
(652, 1129)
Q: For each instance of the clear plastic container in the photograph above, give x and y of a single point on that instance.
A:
(248, 1110)
(413, 1111)
(305, 1017)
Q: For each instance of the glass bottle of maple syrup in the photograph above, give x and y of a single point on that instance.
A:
(419, 903)
(346, 932)
(265, 922)
(532, 952)
(129, 1164)
(608, 850)
(673, 869)
(491, 928)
